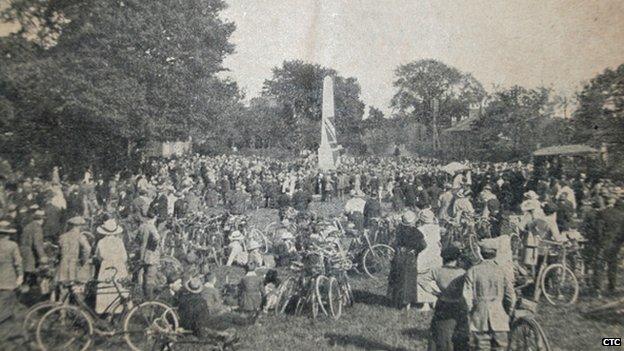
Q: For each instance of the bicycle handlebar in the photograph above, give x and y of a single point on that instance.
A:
(113, 278)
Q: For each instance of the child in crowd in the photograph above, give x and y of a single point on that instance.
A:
(250, 290)
(271, 283)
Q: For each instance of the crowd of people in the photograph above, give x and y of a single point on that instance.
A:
(82, 227)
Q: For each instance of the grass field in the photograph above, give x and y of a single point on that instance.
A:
(371, 324)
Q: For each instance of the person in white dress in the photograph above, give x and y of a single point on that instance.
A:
(111, 253)
(431, 256)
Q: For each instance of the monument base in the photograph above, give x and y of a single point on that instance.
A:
(328, 158)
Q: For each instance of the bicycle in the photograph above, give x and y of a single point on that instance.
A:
(525, 333)
(555, 280)
(374, 259)
(72, 326)
(313, 290)
(558, 283)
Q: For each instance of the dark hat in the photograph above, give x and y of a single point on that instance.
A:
(450, 253)
(488, 247)
(173, 276)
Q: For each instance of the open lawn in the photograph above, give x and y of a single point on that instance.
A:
(371, 324)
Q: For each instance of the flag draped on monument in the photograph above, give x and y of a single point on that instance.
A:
(329, 150)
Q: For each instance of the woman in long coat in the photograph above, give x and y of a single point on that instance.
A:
(402, 284)
(111, 253)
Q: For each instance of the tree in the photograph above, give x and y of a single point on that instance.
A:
(117, 72)
(297, 88)
(600, 114)
(601, 104)
(515, 121)
(375, 114)
(432, 92)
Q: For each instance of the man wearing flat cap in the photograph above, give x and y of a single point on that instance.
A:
(489, 297)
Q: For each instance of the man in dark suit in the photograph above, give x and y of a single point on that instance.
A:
(610, 240)
(372, 208)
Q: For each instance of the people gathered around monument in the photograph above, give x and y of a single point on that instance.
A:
(135, 223)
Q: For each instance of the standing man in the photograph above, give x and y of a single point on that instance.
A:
(150, 253)
(490, 298)
(75, 252)
(11, 271)
(449, 325)
(372, 208)
(31, 247)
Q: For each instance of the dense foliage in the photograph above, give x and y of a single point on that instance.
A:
(112, 75)
(296, 90)
(599, 118)
(88, 83)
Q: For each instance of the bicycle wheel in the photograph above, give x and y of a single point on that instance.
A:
(335, 298)
(321, 289)
(314, 305)
(258, 235)
(285, 295)
(33, 316)
(64, 328)
(149, 323)
(299, 307)
(559, 285)
(527, 335)
(271, 229)
(347, 294)
(376, 261)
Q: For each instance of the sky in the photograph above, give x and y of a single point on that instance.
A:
(553, 43)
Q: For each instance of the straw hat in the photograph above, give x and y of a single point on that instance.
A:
(408, 218)
(7, 228)
(530, 205)
(78, 220)
(39, 214)
(110, 227)
(427, 216)
(531, 195)
(193, 285)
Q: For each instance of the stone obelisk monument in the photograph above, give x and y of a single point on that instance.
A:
(329, 150)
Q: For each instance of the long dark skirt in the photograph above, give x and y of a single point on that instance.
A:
(402, 283)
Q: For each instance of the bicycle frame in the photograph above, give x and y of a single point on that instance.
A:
(562, 260)
(120, 300)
